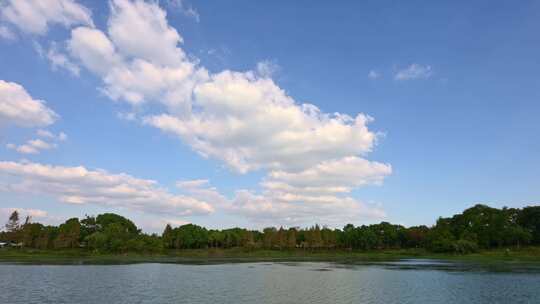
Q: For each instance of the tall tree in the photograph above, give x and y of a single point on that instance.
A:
(68, 234)
(529, 218)
(13, 223)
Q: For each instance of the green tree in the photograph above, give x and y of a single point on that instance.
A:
(269, 237)
(106, 219)
(168, 237)
(68, 234)
(291, 238)
(529, 219)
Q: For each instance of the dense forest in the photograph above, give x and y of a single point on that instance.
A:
(479, 227)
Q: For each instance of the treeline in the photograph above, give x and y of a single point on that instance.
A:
(479, 227)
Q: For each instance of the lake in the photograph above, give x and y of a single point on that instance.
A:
(413, 281)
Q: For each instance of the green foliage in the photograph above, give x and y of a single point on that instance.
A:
(68, 234)
(464, 246)
(529, 219)
(189, 237)
(103, 221)
(479, 227)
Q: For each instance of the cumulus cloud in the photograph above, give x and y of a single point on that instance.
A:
(160, 43)
(251, 123)
(414, 71)
(244, 119)
(319, 192)
(294, 202)
(35, 16)
(79, 185)
(329, 177)
(135, 70)
(297, 209)
(17, 107)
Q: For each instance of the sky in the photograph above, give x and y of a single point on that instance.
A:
(258, 114)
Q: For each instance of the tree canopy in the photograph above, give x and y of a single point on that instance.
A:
(479, 227)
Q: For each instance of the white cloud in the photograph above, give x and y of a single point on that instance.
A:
(243, 119)
(251, 123)
(33, 146)
(300, 210)
(190, 184)
(267, 68)
(135, 79)
(247, 121)
(35, 16)
(129, 116)
(373, 74)
(78, 185)
(329, 177)
(320, 192)
(59, 60)
(414, 71)
(34, 214)
(94, 49)
(159, 45)
(6, 33)
(188, 11)
(17, 107)
(48, 134)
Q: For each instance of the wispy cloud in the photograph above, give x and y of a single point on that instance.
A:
(267, 68)
(35, 146)
(373, 74)
(414, 71)
(186, 9)
(6, 33)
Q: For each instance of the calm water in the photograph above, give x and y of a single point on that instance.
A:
(403, 282)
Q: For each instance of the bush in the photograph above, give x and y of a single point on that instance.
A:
(442, 245)
(464, 247)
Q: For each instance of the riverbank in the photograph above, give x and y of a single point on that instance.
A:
(239, 255)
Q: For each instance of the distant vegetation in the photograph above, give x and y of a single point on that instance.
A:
(479, 227)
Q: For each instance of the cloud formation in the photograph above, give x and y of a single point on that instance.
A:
(414, 71)
(59, 60)
(34, 214)
(79, 185)
(373, 74)
(35, 146)
(35, 16)
(18, 108)
(250, 123)
(313, 160)
(48, 134)
(6, 33)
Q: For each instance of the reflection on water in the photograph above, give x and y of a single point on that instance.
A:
(408, 281)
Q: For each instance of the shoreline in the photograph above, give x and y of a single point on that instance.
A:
(239, 255)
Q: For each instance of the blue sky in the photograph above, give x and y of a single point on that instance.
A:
(205, 99)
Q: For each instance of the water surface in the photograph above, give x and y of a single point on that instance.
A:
(397, 282)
